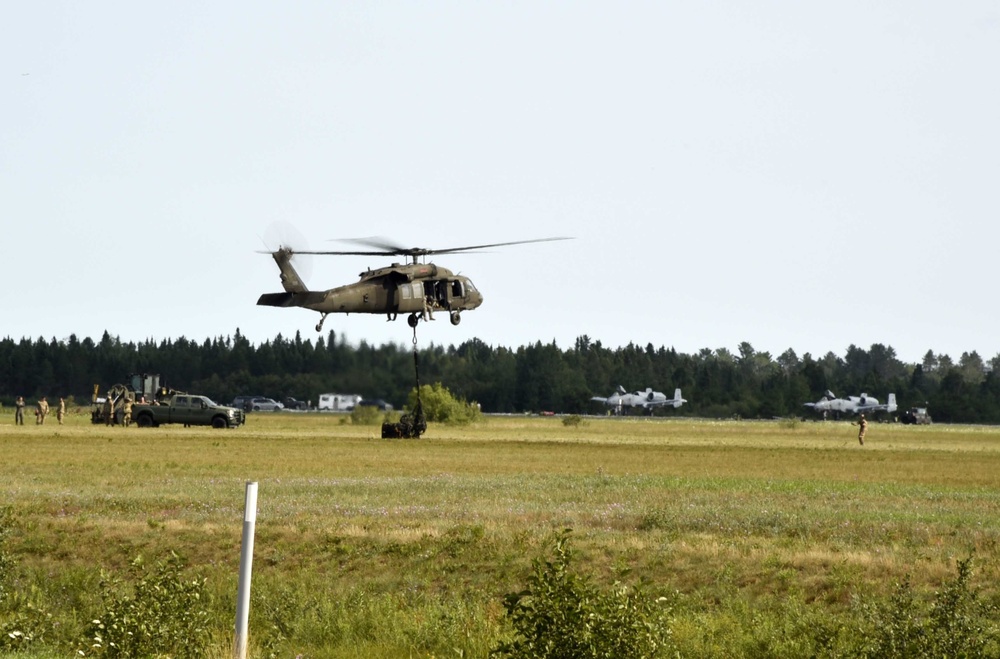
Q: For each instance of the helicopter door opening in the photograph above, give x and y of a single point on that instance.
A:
(432, 293)
(456, 289)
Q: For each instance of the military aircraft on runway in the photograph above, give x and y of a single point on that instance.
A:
(852, 404)
(645, 400)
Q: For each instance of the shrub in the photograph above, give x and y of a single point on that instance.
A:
(164, 614)
(562, 615)
(955, 624)
(6, 561)
(366, 415)
(572, 420)
(23, 620)
(440, 405)
(789, 422)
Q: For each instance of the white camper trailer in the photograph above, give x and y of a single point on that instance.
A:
(338, 402)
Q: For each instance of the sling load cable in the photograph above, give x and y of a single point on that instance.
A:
(413, 424)
(418, 412)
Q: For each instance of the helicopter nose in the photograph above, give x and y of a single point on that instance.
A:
(477, 299)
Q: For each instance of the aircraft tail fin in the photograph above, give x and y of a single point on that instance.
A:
(290, 279)
(621, 390)
(678, 401)
(891, 405)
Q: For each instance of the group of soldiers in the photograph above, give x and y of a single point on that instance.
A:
(41, 410)
(116, 408)
(110, 407)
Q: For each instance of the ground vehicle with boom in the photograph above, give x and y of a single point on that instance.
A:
(140, 387)
(916, 416)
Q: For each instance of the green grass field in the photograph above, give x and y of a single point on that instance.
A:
(755, 532)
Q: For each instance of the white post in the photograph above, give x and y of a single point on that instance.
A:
(246, 566)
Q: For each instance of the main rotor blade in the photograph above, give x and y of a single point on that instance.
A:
(452, 250)
(378, 242)
(393, 248)
(389, 249)
(327, 253)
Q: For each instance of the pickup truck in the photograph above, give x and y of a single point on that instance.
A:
(188, 409)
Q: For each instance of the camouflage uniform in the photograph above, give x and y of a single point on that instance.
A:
(109, 410)
(41, 411)
(862, 427)
(127, 410)
(19, 411)
(61, 412)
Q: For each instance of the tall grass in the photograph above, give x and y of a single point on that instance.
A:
(761, 534)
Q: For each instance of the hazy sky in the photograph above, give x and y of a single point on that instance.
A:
(796, 175)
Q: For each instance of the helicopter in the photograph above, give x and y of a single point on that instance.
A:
(416, 287)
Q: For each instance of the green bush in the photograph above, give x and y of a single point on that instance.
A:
(562, 615)
(366, 415)
(165, 614)
(6, 560)
(441, 406)
(23, 620)
(789, 423)
(955, 624)
(572, 420)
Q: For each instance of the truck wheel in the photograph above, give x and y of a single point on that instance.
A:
(144, 421)
(219, 422)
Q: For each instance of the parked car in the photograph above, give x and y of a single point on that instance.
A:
(262, 404)
(295, 404)
(244, 403)
(375, 402)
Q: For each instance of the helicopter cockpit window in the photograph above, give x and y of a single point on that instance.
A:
(456, 288)
(469, 285)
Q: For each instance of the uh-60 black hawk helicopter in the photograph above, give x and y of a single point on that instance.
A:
(416, 288)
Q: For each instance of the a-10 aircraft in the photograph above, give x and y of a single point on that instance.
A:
(645, 400)
(852, 404)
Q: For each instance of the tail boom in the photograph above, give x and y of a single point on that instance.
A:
(306, 299)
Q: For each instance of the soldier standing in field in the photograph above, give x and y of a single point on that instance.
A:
(109, 410)
(127, 412)
(41, 411)
(19, 411)
(61, 411)
(862, 427)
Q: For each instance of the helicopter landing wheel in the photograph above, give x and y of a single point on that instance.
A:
(319, 325)
(456, 318)
(412, 320)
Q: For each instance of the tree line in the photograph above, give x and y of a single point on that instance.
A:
(531, 378)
